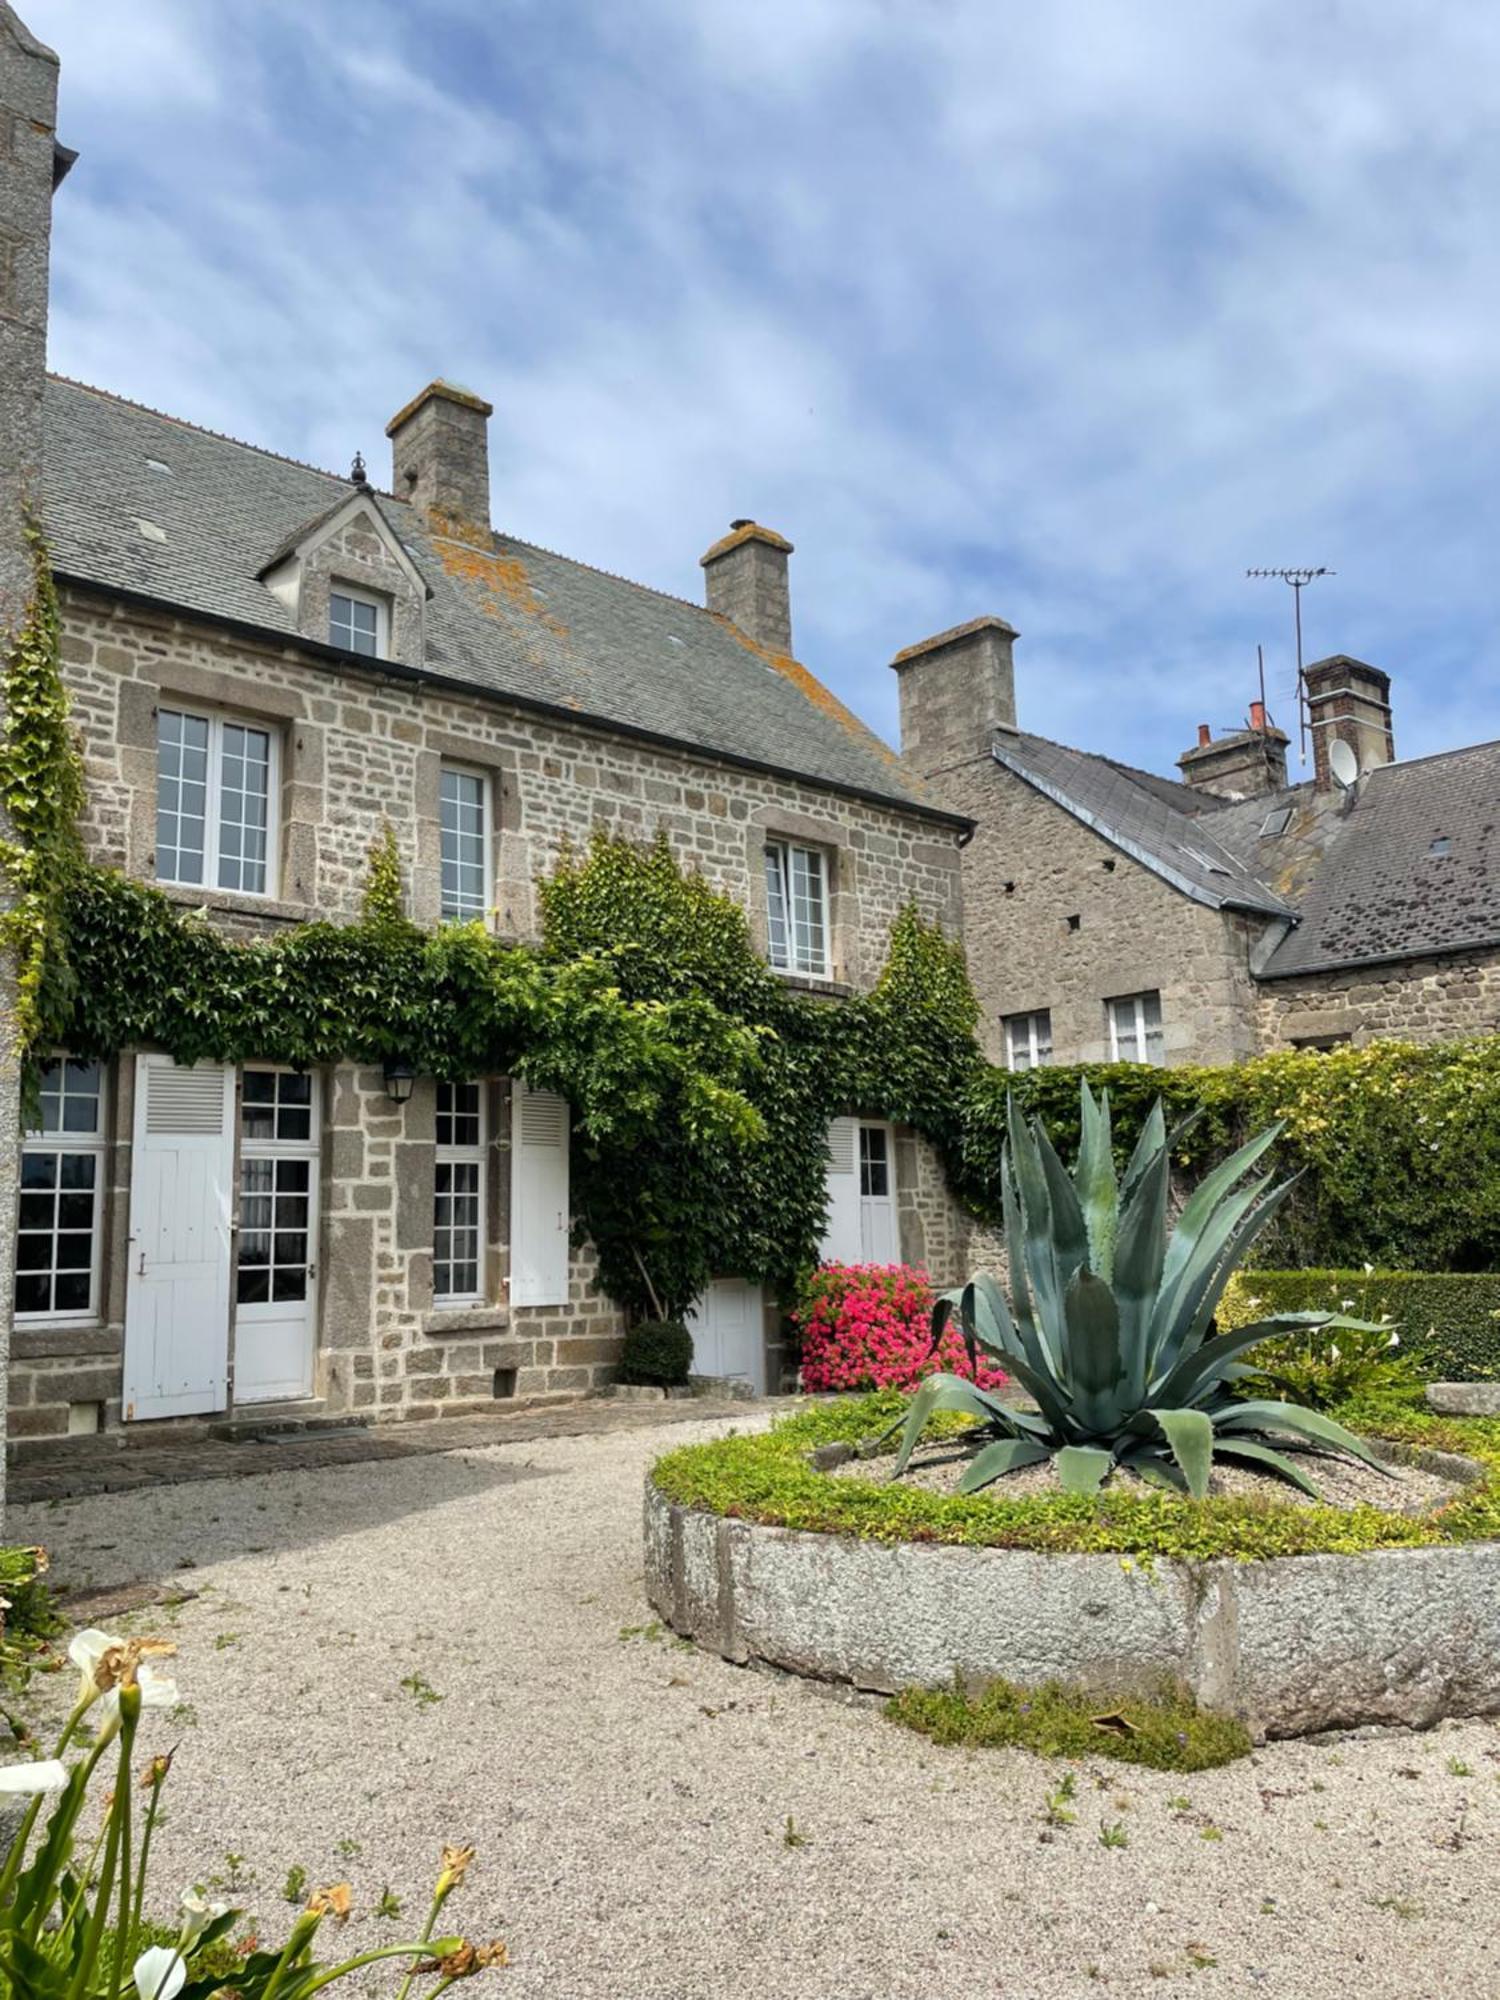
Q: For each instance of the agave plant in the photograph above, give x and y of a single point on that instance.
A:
(1110, 1322)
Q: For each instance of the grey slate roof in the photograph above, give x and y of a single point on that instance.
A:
(1381, 892)
(513, 621)
(1139, 815)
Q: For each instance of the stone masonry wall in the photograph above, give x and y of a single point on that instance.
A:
(1032, 868)
(355, 751)
(1417, 1000)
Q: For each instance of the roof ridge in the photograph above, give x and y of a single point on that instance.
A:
(1431, 757)
(206, 430)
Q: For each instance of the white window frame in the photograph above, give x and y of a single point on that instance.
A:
(477, 1156)
(1024, 1038)
(96, 1145)
(377, 604)
(1141, 1027)
(486, 843)
(217, 721)
(779, 856)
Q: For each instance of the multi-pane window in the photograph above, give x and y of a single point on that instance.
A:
(797, 908)
(277, 1187)
(215, 779)
(62, 1181)
(1028, 1039)
(465, 845)
(458, 1210)
(1135, 1028)
(874, 1160)
(354, 623)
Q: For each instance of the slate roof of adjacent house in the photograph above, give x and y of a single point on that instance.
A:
(1144, 817)
(1411, 869)
(148, 504)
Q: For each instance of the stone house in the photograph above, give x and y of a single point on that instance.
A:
(1112, 914)
(266, 663)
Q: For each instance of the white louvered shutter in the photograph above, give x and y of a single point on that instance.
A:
(538, 1198)
(841, 1233)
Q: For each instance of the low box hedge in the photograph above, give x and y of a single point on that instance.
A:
(1450, 1319)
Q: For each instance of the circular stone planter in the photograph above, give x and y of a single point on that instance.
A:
(1289, 1646)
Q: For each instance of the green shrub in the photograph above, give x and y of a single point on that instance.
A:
(1168, 1732)
(658, 1353)
(1449, 1321)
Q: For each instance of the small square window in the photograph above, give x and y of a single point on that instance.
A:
(354, 623)
(1135, 1028)
(1028, 1039)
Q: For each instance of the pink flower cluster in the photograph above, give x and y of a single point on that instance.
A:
(867, 1326)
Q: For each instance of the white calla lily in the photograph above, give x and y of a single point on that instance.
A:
(27, 1780)
(86, 1649)
(198, 1912)
(157, 1691)
(159, 1973)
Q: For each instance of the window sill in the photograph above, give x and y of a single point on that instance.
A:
(460, 1319)
(231, 903)
(803, 982)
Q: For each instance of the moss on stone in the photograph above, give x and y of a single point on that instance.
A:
(1169, 1732)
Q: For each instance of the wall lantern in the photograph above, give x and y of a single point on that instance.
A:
(399, 1078)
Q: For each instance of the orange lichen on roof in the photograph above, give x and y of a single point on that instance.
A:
(954, 635)
(748, 531)
(812, 689)
(496, 583)
(443, 392)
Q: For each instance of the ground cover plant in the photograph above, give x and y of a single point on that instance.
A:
(1110, 1322)
(767, 1477)
(1167, 1731)
(78, 1907)
(868, 1326)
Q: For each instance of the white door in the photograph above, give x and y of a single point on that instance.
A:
(878, 1243)
(841, 1235)
(275, 1280)
(729, 1333)
(538, 1197)
(177, 1289)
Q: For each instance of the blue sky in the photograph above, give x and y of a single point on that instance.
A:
(1068, 312)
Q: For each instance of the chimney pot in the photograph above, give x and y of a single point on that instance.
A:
(745, 581)
(440, 453)
(1242, 765)
(1258, 716)
(1205, 735)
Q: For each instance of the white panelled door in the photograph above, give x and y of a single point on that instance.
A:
(538, 1197)
(275, 1315)
(861, 1225)
(177, 1289)
(729, 1333)
(840, 1244)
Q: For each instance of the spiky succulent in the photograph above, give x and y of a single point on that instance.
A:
(1109, 1325)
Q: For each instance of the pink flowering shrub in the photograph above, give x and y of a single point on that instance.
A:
(867, 1326)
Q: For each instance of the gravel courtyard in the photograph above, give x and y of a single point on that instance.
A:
(382, 1658)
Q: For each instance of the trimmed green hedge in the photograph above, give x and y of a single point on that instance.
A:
(1451, 1319)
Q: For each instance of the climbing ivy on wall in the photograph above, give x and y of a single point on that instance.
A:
(701, 1085)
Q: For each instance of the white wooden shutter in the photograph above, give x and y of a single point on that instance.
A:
(841, 1235)
(538, 1198)
(177, 1287)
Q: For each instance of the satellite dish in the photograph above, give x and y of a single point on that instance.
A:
(1343, 763)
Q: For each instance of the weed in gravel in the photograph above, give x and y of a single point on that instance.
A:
(792, 1835)
(1170, 1733)
(389, 1904)
(1457, 1768)
(1058, 1811)
(1200, 1958)
(225, 1639)
(294, 1888)
(1406, 1907)
(1112, 1833)
(1180, 1802)
(348, 1849)
(1211, 1832)
(421, 1690)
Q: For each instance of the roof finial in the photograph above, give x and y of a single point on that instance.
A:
(357, 470)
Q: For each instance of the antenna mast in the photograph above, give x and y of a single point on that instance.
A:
(1299, 580)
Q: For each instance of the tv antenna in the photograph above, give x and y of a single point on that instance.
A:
(1298, 579)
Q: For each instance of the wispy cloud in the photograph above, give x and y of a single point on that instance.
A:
(1067, 312)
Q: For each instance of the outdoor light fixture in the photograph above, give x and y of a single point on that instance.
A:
(399, 1078)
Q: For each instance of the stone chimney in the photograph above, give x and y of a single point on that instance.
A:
(1238, 766)
(745, 580)
(957, 689)
(440, 458)
(34, 163)
(1348, 702)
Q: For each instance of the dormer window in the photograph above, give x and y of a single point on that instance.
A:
(356, 622)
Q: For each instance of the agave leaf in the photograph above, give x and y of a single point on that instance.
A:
(1138, 1263)
(1218, 1248)
(1190, 1434)
(1147, 1463)
(1191, 1378)
(1211, 1289)
(1015, 1234)
(995, 1460)
(1299, 1423)
(1052, 1400)
(1095, 1180)
(1152, 1138)
(1262, 1454)
(1070, 1240)
(1035, 1241)
(940, 1392)
(1206, 1197)
(1097, 1375)
(994, 1328)
(1083, 1468)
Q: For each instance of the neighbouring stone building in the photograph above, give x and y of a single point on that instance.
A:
(1111, 913)
(266, 663)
